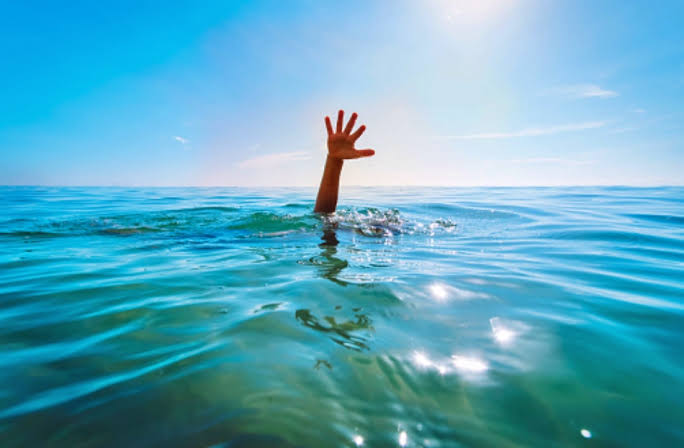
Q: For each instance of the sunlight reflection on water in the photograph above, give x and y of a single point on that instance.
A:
(233, 317)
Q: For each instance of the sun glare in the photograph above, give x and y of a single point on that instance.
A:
(472, 11)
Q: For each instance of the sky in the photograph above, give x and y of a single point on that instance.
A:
(234, 93)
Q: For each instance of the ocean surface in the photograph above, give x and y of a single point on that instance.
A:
(417, 317)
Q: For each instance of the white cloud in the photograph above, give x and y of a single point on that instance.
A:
(274, 159)
(181, 139)
(623, 130)
(531, 132)
(583, 91)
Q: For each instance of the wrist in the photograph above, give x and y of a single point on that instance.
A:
(334, 162)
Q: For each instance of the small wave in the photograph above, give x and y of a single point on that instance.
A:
(270, 223)
(29, 233)
(386, 223)
(660, 219)
(212, 221)
(204, 209)
(128, 230)
(617, 236)
(470, 212)
(369, 221)
(59, 395)
(299, 205)
(180, 220)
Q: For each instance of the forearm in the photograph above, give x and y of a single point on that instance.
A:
(326, 202)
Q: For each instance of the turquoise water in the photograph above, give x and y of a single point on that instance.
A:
(414, 317)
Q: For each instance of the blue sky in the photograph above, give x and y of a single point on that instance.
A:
(486, 92)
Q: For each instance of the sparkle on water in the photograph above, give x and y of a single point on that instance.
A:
(439, 292)
(403, 438)
(503, 335)
(412, 317)
(469, 364)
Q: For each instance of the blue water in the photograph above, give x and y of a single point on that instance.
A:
(414, 317)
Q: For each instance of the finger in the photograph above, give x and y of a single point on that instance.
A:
(340, 120)
(355, 136)
(328, 126)
(365, 152)
(350, 125)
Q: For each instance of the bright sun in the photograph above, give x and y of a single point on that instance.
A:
(473, 11)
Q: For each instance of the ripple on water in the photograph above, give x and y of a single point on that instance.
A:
(411, 317)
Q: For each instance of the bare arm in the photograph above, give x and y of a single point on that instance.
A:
(340, 147)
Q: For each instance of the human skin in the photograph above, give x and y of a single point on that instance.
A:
(341, 144)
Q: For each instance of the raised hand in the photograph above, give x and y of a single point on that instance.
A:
(340, 148)
(341, 142)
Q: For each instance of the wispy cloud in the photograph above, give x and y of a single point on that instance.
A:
(583, 91)
(552, 160)
(181, 139)
(624, 129)
(531, 132)
(274, 159)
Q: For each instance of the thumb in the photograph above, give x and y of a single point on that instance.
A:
(365, 152)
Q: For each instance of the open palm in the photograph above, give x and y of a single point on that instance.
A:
(341, 142)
